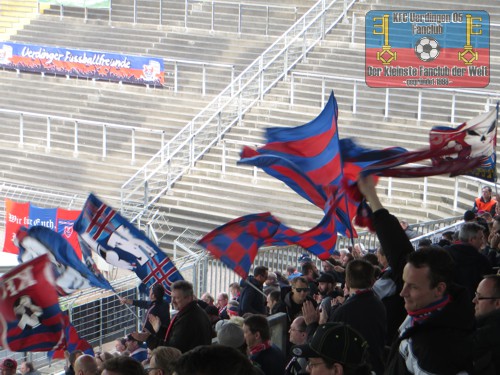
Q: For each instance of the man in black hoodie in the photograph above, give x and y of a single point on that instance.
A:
(434, 337)
(252, 298)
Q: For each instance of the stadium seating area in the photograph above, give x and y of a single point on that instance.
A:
(209, 34)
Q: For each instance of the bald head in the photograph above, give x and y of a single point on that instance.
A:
(85, 365)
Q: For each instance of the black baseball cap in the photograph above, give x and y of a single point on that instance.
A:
(337, 342)
(326, 277)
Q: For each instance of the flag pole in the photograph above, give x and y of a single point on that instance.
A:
(127, 306)
(257, 289)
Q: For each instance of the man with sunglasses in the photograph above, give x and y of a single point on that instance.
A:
(486, 340)
(293, 301)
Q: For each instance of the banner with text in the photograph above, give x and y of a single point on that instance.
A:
(85, 64)
(438, 48)
(103, 4)
(25, 214)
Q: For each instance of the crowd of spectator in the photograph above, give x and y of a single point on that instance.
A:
(392, 310)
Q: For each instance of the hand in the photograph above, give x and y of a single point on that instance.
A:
(124, 301)
(323, 316)
(339, 269)
(309, 312)
(318, 298)
(155, 322)
(494, 240)
(142, 336)
(366, 186)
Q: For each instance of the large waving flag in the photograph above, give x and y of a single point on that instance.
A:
(472, 139)
(71, 342)
(236, 243)
(121, 244)
(307, 158)
(30, 317)
(71, 274)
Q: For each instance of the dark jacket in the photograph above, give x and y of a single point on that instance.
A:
(396, 245)
(366, 313)
(271, 361)
(438, 345)
(486, 344)
(471, 266)
(251, 300)
(290, 308)
(189, 328)
(160, 309)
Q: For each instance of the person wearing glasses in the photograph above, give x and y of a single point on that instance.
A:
(335, 348)
(298, 336)
(486, 339)
(435, 335)
(293, 301)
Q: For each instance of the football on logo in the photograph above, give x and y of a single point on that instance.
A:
(427, 49)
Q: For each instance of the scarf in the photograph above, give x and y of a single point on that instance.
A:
(260, 347)
(419, 316)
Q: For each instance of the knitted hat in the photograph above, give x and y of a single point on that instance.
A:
(8, 364)
(336, 342)
(230, 334)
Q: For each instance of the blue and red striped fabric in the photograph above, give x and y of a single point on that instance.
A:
(307, 158)
(71, 342)
(237, 242)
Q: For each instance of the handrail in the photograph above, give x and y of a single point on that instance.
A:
(178, 155)
(490, 95)
(75, 123)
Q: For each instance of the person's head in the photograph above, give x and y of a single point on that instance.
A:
(472, 234)
(469, 216)
(102, 357)
(256, 330)
(234, 289)
(162, 360)
(233, 308)
(404, 224)
(260, 274)
(213, 313)
(207, 298)
(74, 355)
(358, 250)
(300, 290)
(290, 270)
(132, 344)
(222, 300)
(273, 298)
(424, 242)
(310, 270)
(426, 277)
(359, 274)
(8, 366)
(120, 345)
(156, 292)
(486, 193)
(122, 365)
(335, 348)
(231, 334)
(272, 279)
(487, 297)
(326, 283)
(297, 331)
(182, 294)
(214, 360)
(304, 258)
(85, 365)
(27, 367)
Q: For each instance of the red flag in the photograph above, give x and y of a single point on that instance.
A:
(16, 216)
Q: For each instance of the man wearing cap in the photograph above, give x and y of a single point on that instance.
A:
(337, 349)
(137, 352)
(434, 337)
(8, 367)
(327, 289)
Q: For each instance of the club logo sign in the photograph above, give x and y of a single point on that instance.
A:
(438, 48)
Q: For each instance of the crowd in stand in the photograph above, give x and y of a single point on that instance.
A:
(394, 310)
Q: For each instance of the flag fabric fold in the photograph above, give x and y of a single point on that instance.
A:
(71, 342)
(121, 244)
(30, 317)
(71, 274)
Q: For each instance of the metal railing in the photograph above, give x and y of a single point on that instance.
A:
(489, 96)
(74, 133)
(159, 174)
(263, 9)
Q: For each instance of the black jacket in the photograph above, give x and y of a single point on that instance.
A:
(251, 300)
(438, 345)
(396, 246)
(189, 329)
(366, 313)
(471, 266)
(160, 309)
(486, 344)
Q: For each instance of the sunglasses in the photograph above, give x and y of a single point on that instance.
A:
(300, 290)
